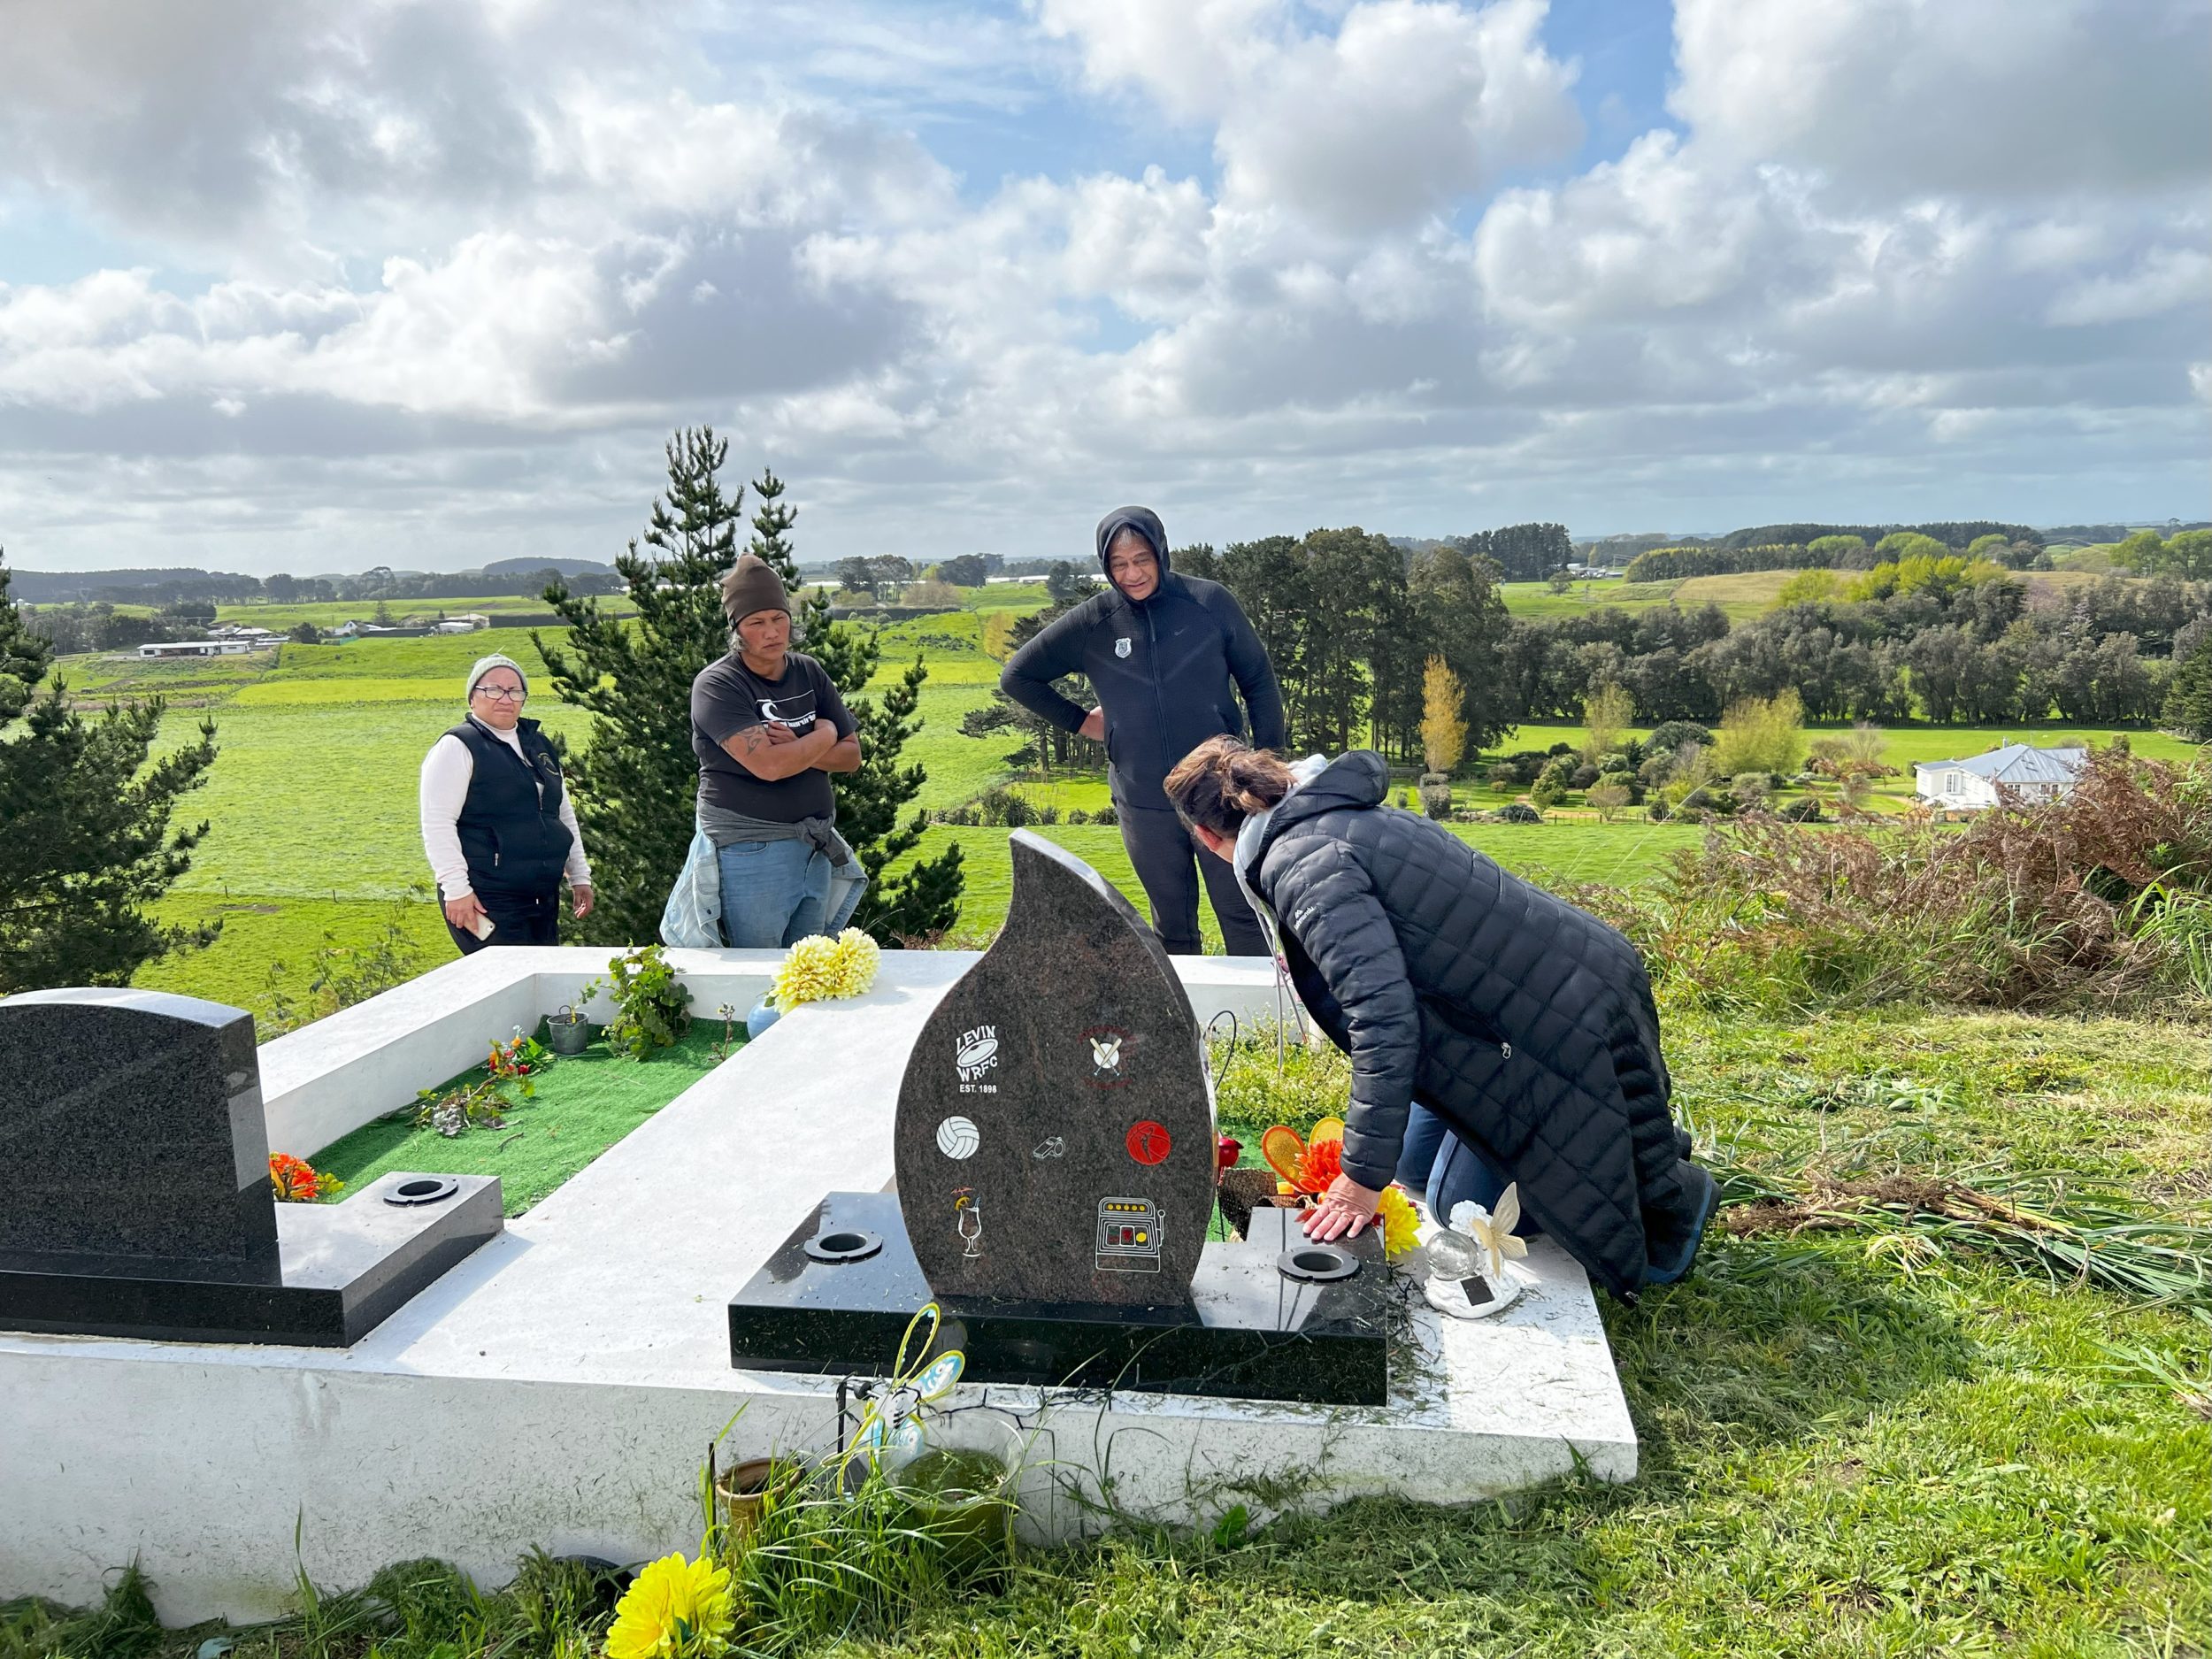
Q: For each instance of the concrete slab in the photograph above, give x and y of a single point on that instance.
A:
(559, 1386)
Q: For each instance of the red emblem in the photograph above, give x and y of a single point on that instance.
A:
(1148, 1141)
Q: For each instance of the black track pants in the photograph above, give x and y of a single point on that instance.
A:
(1163, 853)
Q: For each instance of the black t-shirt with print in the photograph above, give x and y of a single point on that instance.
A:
(726, 699)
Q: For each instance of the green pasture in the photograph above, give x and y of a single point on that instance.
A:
(1903, 745)
(330, 613)
(1536, 599)
(271, 945)
(1554, 855)
(311, 802)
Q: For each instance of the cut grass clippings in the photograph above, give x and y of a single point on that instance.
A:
(584, 1104)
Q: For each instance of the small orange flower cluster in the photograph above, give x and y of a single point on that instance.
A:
(510, 1059)
(297, 1181)
(1305, 1168)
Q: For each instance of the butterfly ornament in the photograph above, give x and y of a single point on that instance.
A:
(1467, 1278)
(891, 1434)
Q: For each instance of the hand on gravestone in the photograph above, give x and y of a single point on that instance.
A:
(1344, 1211)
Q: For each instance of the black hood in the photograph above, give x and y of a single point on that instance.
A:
(1357, 779)
(1145, 523)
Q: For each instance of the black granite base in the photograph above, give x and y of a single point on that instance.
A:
(344, 1269)
(1249, 1332)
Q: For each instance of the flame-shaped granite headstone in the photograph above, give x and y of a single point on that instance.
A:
(1055, 1130)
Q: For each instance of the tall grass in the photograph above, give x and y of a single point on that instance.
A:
(2103, 899)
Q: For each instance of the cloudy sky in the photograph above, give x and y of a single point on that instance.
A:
(312, 287)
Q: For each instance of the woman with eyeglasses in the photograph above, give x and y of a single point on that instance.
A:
(496, 820)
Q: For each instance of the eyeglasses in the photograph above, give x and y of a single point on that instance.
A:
(503, 694)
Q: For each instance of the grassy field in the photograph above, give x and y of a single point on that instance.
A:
(1554, 853)
(312, 800)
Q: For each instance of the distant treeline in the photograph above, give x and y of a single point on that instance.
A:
(180, 587)
(1957, 536)
(1967, 642)
(1924, 630)
(1835, 549)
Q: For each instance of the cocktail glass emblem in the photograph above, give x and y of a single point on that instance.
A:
(967, 1216)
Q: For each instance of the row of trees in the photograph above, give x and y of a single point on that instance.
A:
(1351, 624)
(1840, 551)
(1977, 652)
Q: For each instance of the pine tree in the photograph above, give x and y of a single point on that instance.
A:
(1043, 745)
(2189, 693)
(637, 781)
(85, 821)
(924, 900)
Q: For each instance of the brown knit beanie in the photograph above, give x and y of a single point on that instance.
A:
(752, 585)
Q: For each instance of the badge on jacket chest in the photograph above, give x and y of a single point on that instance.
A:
(1121, 647)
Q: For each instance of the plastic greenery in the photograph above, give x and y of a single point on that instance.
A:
(820, 967)
(652, 1007)
(673, 1609)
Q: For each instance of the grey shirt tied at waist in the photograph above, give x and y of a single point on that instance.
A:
(724, 828)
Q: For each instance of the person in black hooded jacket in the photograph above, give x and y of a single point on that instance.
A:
(1526, 1024)
(1167, 656)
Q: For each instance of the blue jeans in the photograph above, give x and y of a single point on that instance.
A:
(774, 893)
(1446, 1171)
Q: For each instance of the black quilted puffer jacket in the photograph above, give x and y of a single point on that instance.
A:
(1525, 1022)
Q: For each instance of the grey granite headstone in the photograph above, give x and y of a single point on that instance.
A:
(130, 1126)
(134, 1195)
(1055, 1138)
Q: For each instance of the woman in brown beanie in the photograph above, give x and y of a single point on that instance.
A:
(769, 728)
(1525, 1024)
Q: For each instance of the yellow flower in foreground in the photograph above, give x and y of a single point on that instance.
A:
(673, 1609)
(821, 966)
(1399, 1223)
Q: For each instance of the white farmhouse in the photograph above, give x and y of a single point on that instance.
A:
(1968, 786)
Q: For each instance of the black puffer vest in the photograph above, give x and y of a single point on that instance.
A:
(510, 827)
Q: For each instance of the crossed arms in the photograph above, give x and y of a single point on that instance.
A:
(772, 751)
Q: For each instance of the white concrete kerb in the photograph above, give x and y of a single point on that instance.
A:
(558, 1388)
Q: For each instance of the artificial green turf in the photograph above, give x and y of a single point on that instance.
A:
(584, 1104)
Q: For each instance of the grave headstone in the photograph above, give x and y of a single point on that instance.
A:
(130, 1125)
(1055, 1136)
(135, 1192)
(1055, 1160)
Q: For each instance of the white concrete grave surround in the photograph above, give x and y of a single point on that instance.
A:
(560, 1386)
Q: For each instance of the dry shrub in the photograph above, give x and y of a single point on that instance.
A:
(2104, 897)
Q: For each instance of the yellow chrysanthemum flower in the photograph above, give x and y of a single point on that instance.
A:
(857, 958)
(1399, 1222)
(819, 966)
(673, 1609)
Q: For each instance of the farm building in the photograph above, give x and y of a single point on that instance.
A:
(1968, 786)
(198, 648)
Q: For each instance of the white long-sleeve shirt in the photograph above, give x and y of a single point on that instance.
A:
(447, 771)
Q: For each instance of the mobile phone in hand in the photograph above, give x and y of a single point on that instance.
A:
(483, 926)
